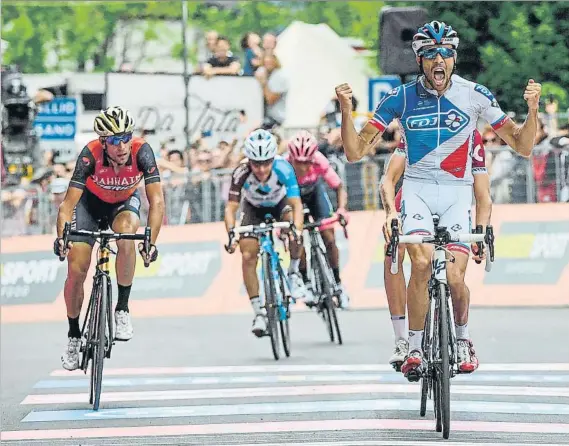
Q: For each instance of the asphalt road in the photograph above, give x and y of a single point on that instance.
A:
(209, 381)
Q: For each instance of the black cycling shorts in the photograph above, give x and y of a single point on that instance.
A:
(253, 215)
(318, 202)
(94, 214)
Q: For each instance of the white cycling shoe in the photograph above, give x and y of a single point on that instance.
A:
(123, 326)
(400, 352)
(297, 288)
(70, 357)
(259, 325)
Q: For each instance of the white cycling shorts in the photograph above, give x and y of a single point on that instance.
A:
(453, 205)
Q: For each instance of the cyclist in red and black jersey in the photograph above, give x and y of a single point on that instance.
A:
(103, 193)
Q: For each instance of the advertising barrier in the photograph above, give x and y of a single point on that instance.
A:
(194, 275)
(221, 108)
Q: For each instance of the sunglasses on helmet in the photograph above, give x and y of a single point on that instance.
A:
(115, 140)
(431, 53)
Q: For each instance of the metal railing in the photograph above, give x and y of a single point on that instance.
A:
(201, 197)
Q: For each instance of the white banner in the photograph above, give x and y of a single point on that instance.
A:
(216, 105)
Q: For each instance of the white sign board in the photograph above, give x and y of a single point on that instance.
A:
(157, 104)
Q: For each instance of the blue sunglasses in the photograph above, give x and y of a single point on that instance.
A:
(115, 140)
(431, 53)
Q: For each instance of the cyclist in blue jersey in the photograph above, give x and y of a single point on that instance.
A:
(438, 113)
(264, 184)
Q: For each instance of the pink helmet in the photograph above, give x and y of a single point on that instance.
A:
(302, 146)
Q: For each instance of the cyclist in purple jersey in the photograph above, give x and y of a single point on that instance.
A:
(438, 113)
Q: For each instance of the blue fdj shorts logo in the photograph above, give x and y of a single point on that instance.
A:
(452, 120)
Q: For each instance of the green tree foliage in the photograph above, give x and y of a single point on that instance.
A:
(503, 44)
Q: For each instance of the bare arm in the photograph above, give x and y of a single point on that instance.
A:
(520, 138)
(231, 208)
(65, 212)
(342, 197)
(156, 208)
(483, 199)
(357, 145)
(297, 214)
(233, 68)
(395, 169)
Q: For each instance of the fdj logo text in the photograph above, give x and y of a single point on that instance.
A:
(452, 120)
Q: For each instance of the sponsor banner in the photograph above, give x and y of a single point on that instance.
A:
(531, 253)
(181, 270)
(194, 274)
(34, 277)
(221, 108)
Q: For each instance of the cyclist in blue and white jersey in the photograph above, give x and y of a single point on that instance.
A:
(264, 183)
(438, 113)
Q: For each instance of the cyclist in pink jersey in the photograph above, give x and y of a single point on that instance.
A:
(312, 170)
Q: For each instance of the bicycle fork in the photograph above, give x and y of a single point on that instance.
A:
(439, 262)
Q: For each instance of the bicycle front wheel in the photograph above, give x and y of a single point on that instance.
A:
(444, 375)
(427, 379)
(284, 313)
(329, 285)
(99, 341)
(324, 288)
(271, 304)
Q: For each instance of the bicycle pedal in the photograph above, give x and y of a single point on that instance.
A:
(413, 376)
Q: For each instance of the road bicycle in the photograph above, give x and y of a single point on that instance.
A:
(439, 337)
(277, 297)
(320, 273)
(97, 333)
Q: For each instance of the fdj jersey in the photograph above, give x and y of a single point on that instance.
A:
(280, 184)
(94, 171)
(439, 130)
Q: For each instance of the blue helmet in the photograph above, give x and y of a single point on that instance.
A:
(434, 33)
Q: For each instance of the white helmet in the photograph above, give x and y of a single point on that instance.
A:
(260, 145)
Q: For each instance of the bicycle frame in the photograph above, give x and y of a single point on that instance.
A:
(266, 245)
(438, 277)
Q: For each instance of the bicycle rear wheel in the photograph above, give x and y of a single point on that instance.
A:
(99, 341)
(270, 304)
(445, 362)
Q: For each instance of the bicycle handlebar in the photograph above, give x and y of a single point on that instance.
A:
(454, 238)
(327, 221)
(264, 227)
(106, 235)
(260, 229)
(440, 240)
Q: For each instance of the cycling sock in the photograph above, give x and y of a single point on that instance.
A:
(462, 331)
(415, 340)
(256, 304)
(336, 272)
(124, 294)
(399, 327)
(294, 264)
(74, 331)
(304, 275)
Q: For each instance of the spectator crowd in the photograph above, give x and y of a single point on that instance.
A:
(196, 178)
